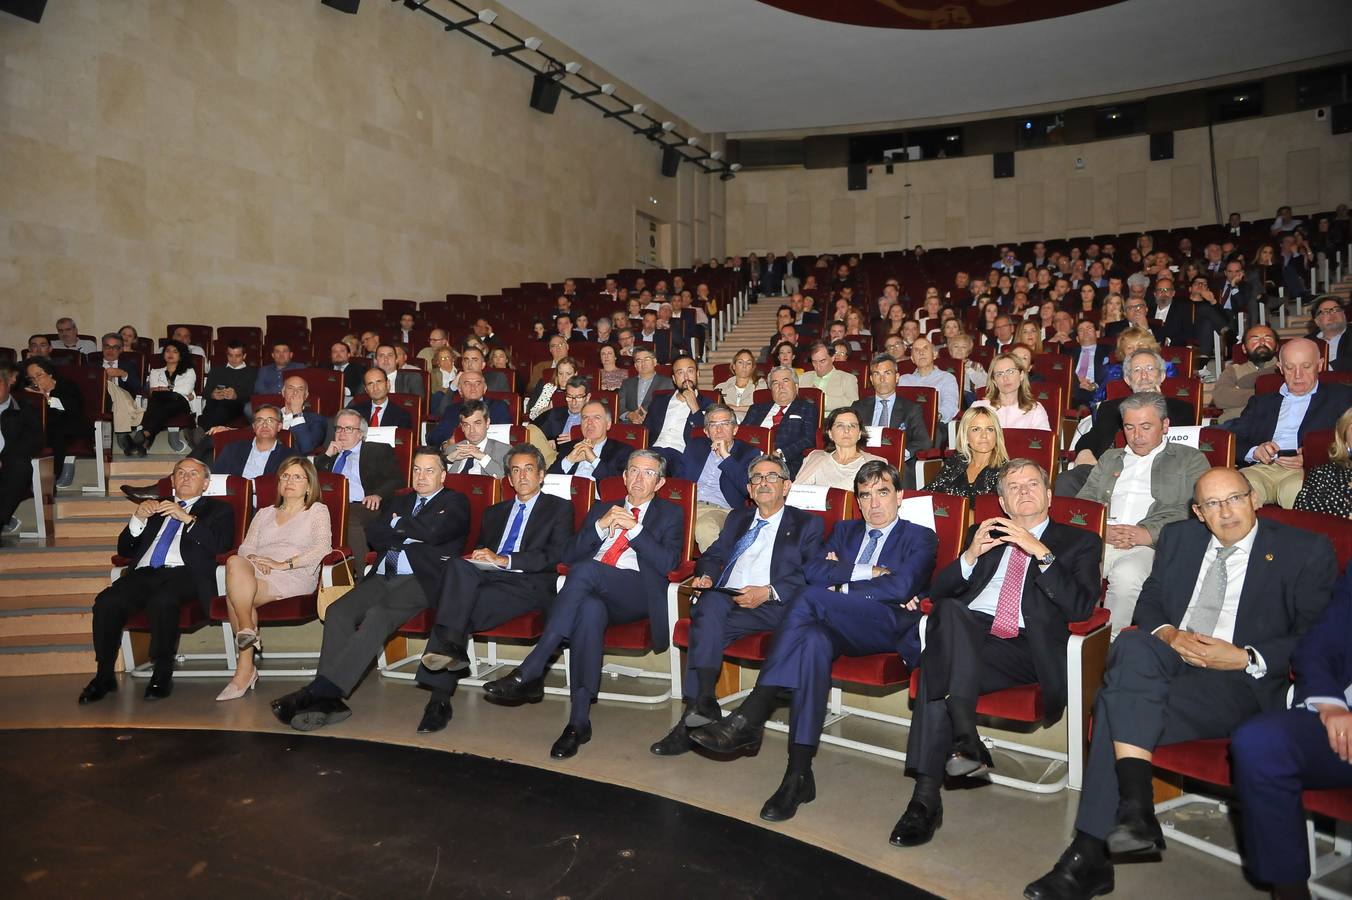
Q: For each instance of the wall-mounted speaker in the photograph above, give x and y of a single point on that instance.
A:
(1004, 164)
(1161, 146)
(25, 9)
(347, 6)
(544, 93)
(856, 178)
(1340, 117)
(671, 161)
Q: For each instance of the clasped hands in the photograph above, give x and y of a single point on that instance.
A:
(1124, 537)
(1014, 534)
(582, 450)
(147, 508)
(1204, 651)
(263, 564)
(483, 554)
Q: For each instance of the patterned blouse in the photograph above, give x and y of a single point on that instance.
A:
(1327, 489)
(952, 479)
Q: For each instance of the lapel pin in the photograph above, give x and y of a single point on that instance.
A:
(1268, 557)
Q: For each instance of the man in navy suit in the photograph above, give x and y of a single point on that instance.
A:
(472, 387)
(1269, 431)
(1172, 316)
(260, 456)
(375, 406)
(1226, 603)
(594, 455)
(886, 410)
(556, 422)
(1278, 754)
(1091, 363)
(792, 419)
(617, 572)
(719, 465)
(307, 427)
(671, 415)
(760, 554)
(860, 600)
(123, 370)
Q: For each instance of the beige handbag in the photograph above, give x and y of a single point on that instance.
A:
(340, 586)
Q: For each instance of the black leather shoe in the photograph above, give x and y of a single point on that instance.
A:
(435, 716)
(514, 689)
(97, 689)
(322, 711)
(916, 826)
(969, 763)
(568, 742)
(141, 494)
(286, 706)
(1137, 831)
(794, 790)
(453, 660)
(732, 735)
(675, 743)
(1073, 877)
(706, 711)
(160, 687)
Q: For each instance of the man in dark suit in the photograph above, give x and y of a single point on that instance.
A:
(306, 426)
(886, 410)
(260, 456)
(636, 391)
(340, 359)
(718, 464)
(375, 407)
(557, 422)
(1171, 316)
(1278, 754)
(1269, 431)
(413, 536)
(123, 370)
(1091, 363)
(371, 470)
(771, 275)
(791, 419)
(760, 554)
(20, 441)
(594, 455)
(405, 381)
(472, 360)
(1330, 324)
(510, 572)
(172, 545)
(1226, 602)
(224, 396)
(617, 572)
(860, 600)
(472, 387)
(672, 415)
(999, 619)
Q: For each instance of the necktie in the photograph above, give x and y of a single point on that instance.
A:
(342, 461)
(779, 416)
(1006, 621)
(1225, 296)
(1211, 597)
(509, 543)
(743, 544)
(375, 417)
(866, 555)
(392, 555)
(882, 415)
(617, 549)
(1082, 370)
(161, 551)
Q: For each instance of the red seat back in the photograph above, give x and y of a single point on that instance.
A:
(482, 491)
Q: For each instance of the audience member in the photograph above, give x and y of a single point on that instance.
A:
(68, 338)
(718, 464)
(122, 370)
(20, 440)
(839, 388)
(372, 474)
(270, 377)
(884, 409)
(670, 417)
(224, 395)
(66, 418)
(1014, 403)
(980, 447)
(594, 455)
(476, 453)
(1235, 386)
(405, 381)
(375, 407)
(472, 360)
(791, 419)
(1328, 487)
(843, 456)
(636, 392)
(739, 389)
(610, 376)
(926, 374)
(260, 456)
(307, 427)
(1330, 323)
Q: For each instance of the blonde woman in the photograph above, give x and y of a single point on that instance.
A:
(1030, 334)
(980, 454)
(837, 465)
(1011, 396)
(280, 557)
(741, 387)
(1328, 487)
(541, 399)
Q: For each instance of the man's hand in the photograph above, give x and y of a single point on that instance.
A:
(1086, 384)
(700, 582)
(831, 557)
(637, 416)
(226, 393)
(581, 450)
(1204, 651)
(617, 518)
(372, 502)
(1021, 537)
(721, 449)
(752, 596)
(147, 508)
(217, 429)
(1292, 462)
(117, 373)
(981, 542)
(332, 449)
(171, 509)
(690, 397)
(464, 450)
(1124, 537)
(880, 571)
(483, 554)
(1339, 723)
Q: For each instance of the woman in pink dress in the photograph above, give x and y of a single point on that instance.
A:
(280, 557)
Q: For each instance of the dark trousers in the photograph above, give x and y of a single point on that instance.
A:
(1069, 482)
(1151, 697)
(474, 600)
(962, 661)
(593, 597)
(216, 412)
(358, 517)
(1275, 756)
(160, 592)
(63, 429)
(1210, 321)
(357, 625)
(160, 408)
(715, 622)
(16, 479)
(819, 626)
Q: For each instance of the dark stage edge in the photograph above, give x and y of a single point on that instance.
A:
(120, 812)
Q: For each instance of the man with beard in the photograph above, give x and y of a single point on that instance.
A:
(1235, 387)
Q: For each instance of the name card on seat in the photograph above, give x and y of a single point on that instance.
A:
(809, 497)
(875, 436)
(918, 511)
(217, 486)
(560, 486)
(501, 433)
(381, 434)
(1187, 435)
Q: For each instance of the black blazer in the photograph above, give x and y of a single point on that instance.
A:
(904, 415)
(1286, 587)
(395, 416)
(1067, 592)
(439, 528)
(308, 437)
(797, 431)
(22, 428)
(658, 547)
(733, 471)
(797, 543)
(1259, 419)
(614, 458)
(1098, 372)
(354, 375)
(132, 383)
(380, 473)
(551, 422)
(1178, 327)
(543, 544)
(498, 414)
(200, 544)
(232, 458)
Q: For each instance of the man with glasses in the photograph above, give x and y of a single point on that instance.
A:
(371, 470)
(594, 455)
(558, 421)
(1227, 600)
(1137, 312)
(839, 388)
(1172, 320)
(123, 370)
(718, 463)
(617, 572)
(68, 337)
(1330, 322)
(413, 535)
(1236, 385)
(636, 391)
(791, 419)
(473, 388)
(260, 456)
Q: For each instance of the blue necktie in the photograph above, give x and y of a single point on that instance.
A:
(883, 418)
(161, 551)
(342, 461)
(743, 544)
(509, 543)
(392, 556)
(866, 557)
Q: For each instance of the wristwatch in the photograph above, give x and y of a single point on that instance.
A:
(1046, 560)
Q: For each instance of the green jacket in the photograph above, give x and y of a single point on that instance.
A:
(1172, 479)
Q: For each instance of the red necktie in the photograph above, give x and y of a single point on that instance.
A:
(779, 416)
(375, 417)
(1006, 621)
(621, 544)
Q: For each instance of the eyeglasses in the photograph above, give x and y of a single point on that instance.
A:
(265, 420)
(636, 472)
(1330, 311)
(768, 478)
(846, 426)
(293, 476)
(348, 428)
(1144, 370)
(112, 346)
(1211, 506)
(1003, 372)
(724, 423)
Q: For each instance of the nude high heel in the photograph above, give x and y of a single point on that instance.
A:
(234, 693)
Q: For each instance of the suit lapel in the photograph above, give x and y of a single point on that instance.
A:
(1257, 590)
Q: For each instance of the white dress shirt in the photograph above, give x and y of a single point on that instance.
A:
(628, 559)
(989, 598)
(753, 567)
(1235, 569)
(582, 469)
(1131, 498)
(672, 432)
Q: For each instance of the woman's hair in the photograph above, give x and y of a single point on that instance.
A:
(42, 363)
(1142, 338)
(1026, 401)
(828, 443)
(614, 354)
(1036, 343)
(1113, 300)
(566, 361)
(311, 479)
(1339, 450)
(507, 358)
(184, 358)
(999, 455)
(774, 354)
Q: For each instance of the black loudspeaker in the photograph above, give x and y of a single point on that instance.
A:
(857, 177)
(25, 9)
(347, 6)
(1340, 117)
(671, 161)
(544, 93)
(1161, 146)
(1004, 164)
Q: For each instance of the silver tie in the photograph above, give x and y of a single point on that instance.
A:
(1212, 596)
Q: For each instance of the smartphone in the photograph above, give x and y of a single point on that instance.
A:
(1287, 452)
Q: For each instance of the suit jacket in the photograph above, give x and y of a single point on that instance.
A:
(1286, 587)
(232, 458)
(1102, 359)
(551, 422)
(629, 398)
(614, 458)
(353, 376)
(1066, 592)
(1108, 422)
(1176, 328)
(21, 425)
(409, 382)
(658, 547)
(307, 437)
(657, 414)
(494, 465)
(797, 431)
(1259, 419)
(733, 471)
(543, 543)
(908, 554)
(1173, 475)
(498, 414)
(438, 531)
(1322, 661)
(132, 383)
(199, 546)
(392, 415)
(797, 542)
(380, 473)
(904, 415)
